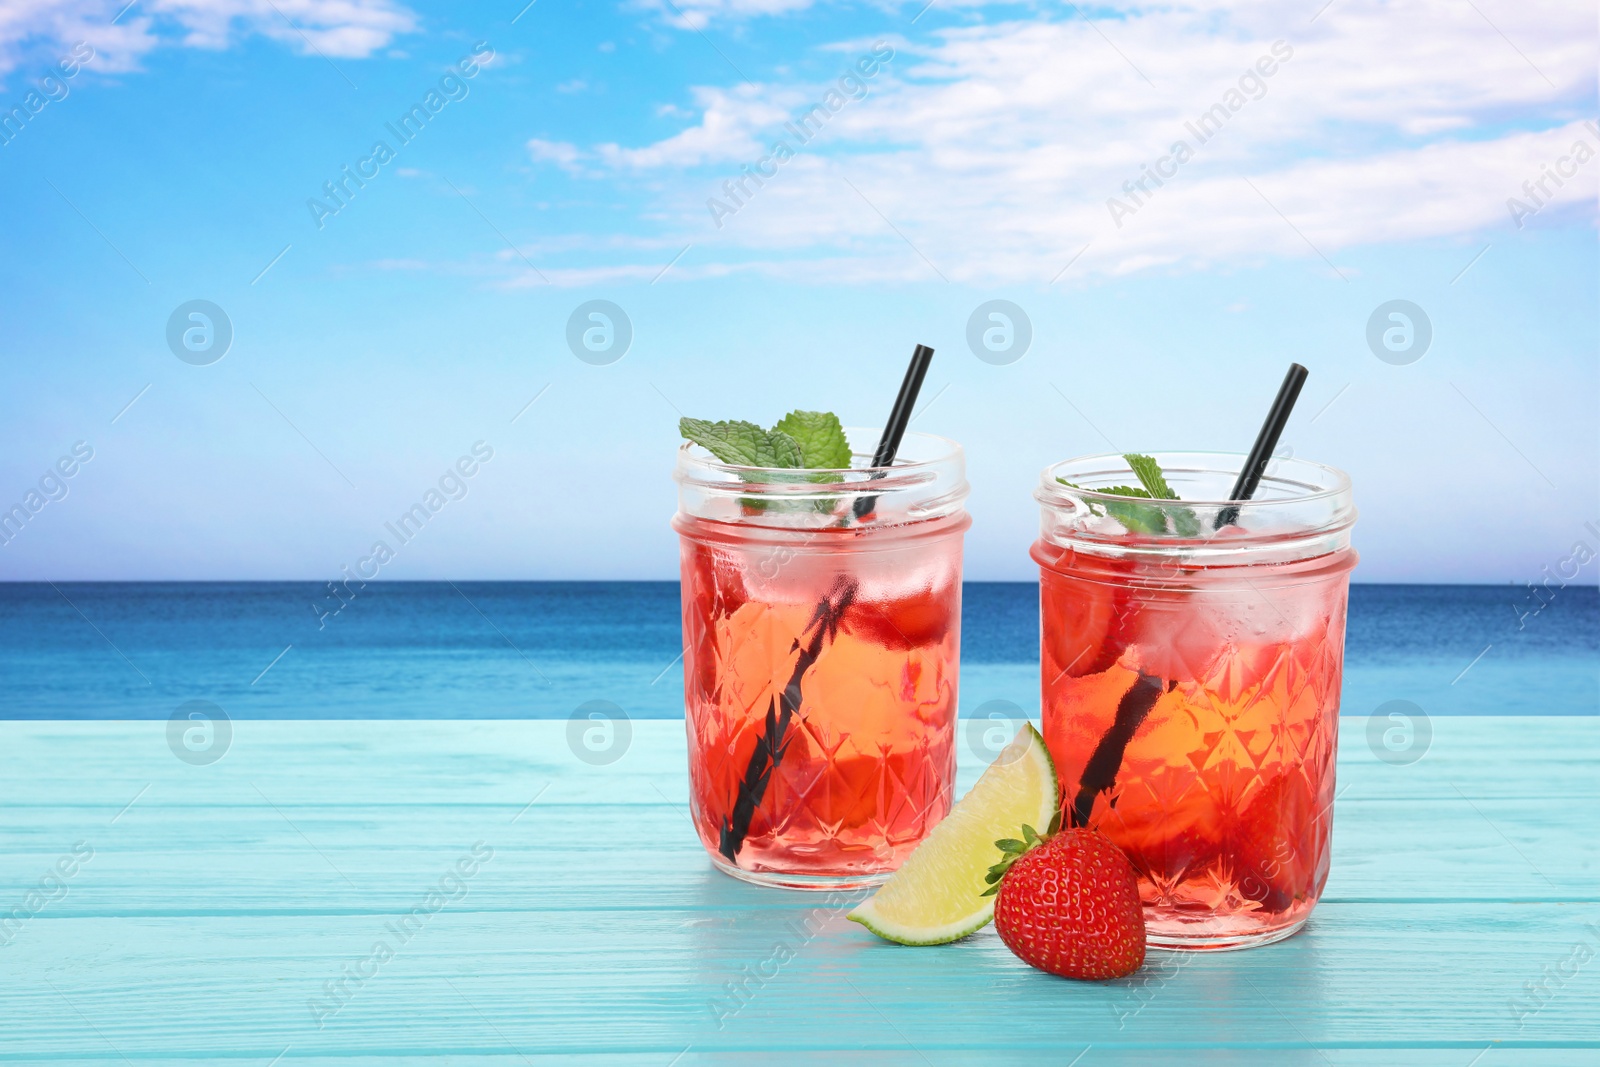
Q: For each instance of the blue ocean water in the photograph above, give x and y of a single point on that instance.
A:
(542, 649)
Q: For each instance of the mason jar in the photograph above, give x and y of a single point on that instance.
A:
(1191, 655)
(822, 638)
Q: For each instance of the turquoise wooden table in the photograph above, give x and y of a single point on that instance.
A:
(473, 893)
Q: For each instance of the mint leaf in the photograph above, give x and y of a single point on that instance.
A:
(1145, 518)
(1138, 518)
(743, 444)
(1184, 521)
(821, 438)
(802, 440)
(822, 446)
(1150, 476)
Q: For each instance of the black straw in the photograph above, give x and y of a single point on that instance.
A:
(899, 418)
(1100, 772)
(1255, 465)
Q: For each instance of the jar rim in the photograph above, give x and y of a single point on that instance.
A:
(1301, 510)
(1338, 482)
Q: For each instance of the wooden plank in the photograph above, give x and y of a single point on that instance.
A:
(776, 978)
(1094, 1056)
(177, 860)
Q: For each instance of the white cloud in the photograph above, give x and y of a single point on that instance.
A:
(993, 149)
(697, 14)
(731, 122)
(334, 28)
(562, 154)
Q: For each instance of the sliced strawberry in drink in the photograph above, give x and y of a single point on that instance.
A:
(1076, 617)
(905, 622)
(1128, 610)
(716, 580)
(716, 590)
(1087, 623)
(1278, 850)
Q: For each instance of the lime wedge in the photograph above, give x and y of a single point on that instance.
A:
(937, 894)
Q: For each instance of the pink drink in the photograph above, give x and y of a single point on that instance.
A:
(1191, 697)
(866, 756)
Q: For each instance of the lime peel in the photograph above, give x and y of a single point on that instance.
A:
(937, 894)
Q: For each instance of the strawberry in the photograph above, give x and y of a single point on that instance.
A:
(717, 579)
(907, 622)
(1090, 617)
(1078, 616)
(713, 589)
(1278, 844)
(1068, 903)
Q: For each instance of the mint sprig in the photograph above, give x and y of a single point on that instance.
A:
(1146, 518)
(1138, 518)
(801, 439)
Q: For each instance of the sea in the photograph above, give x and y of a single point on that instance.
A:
(464, 650)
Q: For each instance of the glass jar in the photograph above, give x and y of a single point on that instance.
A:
(822, 634)
(1190, 682)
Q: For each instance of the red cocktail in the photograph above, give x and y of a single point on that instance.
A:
(821, 661)
(1191, 684)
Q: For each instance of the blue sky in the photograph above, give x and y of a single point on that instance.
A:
(975, 163)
